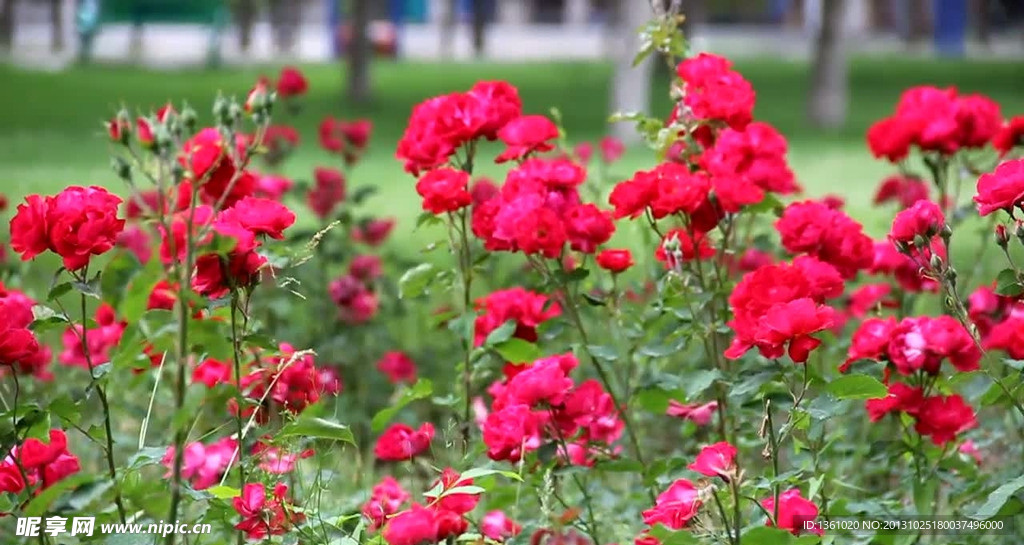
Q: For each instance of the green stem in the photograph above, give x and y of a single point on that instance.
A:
(102, 394)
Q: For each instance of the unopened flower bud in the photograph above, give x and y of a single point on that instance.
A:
(121, 168)
(257, 100)
(119, 128)
(234, 112)
(946, 233)
(951, 275)
(1002, 237)
(1018, 231)
(222, 110)
(188, 118)
(936, 262)
(144, 133)
(920, 241)
(166, 113)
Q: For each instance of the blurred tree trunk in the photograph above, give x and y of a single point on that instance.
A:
(696, 12)
(448, 28)
(981, 21)
(631, 86)
(285, 18)
(359, 53)
(827, 103)
(245, 16)
(920, 18)
(56, 26)
(7, 25)
(479, 27)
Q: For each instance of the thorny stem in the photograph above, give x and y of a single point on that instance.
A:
(236, 346)
(602, 373)
(466, 267)
(592, 522)
(737, 523)
(773, 446)
(184, 277)
(102, 394)
(725, 519)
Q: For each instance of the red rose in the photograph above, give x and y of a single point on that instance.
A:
(401, 442)
(291, 82)
(615, 261)
(1002, 189)
(526, 135)
(328, 191)
(444, 190)
(1009, 136)
(924, 219)
(208, 161)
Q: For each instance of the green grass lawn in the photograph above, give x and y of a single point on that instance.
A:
(51, 132)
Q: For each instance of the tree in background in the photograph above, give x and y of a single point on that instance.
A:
(245, 13)
(358, 53)
(7, 25)
(480, 14)
(449, 25)
(285, 19)
(827, 103)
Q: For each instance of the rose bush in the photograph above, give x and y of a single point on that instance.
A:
(673, 356)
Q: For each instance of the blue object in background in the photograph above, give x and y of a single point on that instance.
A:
(951, 27)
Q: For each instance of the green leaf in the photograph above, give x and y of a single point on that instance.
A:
(42, 502)
(856, 387)
(117, 276)
(594, 300)
(998, 498)
(485, 471)
(503, 333)
(223, 492)
(58, 291)
(1008, 284)
(468, 489)
(674, 537)
(517, 350)
(422, 389)
(414, 282)
(318, 428)
(767, 535)
(602, 352)
(700, 381)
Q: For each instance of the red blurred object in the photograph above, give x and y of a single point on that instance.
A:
(383, 38)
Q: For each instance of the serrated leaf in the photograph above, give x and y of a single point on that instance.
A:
(517, 350)
(856, 387)
(317, 428)
(485, 471)
(117, 276)
(414, 282)
(42, 502)
(223, 492)
(502, 333)
(998, 498)
(59, 291)
(1008, 284)
(422, 389)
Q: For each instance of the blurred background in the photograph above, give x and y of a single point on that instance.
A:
(823, 70)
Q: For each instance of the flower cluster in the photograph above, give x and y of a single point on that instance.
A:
(935, 120)
(440, 126)
(915, 348)
(538, 402)
(42, 464)
(262, 516)
(76, 224)
(19, 348)
(783, 305)
(526, 308)
(204, 465)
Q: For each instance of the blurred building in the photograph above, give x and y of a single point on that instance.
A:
(169, 32)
